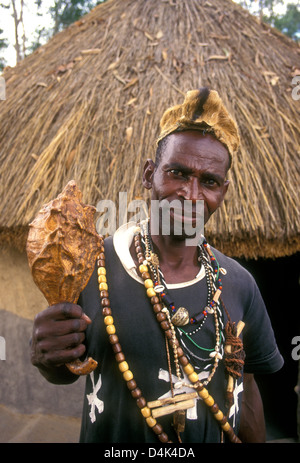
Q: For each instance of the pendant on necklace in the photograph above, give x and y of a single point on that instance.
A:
(153, 259)
(159, 288)
(209, 309)
(181, 317)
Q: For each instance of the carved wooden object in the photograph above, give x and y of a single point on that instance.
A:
(62, 248)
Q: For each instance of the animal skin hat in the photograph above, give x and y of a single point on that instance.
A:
(202, 110)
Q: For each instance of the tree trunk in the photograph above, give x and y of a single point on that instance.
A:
(20, 49)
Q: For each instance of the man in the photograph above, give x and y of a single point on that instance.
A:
(170, 309)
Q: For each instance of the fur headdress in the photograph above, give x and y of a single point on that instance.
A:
(202, 110)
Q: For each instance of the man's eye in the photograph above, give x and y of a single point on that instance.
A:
(176, 172)
(210, 181)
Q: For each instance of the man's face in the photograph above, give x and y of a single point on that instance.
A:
(193, 167)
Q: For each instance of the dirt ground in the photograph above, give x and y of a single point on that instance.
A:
(22, 428)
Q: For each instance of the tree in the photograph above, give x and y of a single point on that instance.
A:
(264, 8)
(63, 13)
(289, 23)
(41, 34)
(3, 44)
(20, 44)
(17, 10)
(66, 12)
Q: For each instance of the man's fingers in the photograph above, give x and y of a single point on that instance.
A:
(58, 334)
(55, 330)
(61, 357)
(86, 318)
(68, 310)
(62, 342)
(62, 311)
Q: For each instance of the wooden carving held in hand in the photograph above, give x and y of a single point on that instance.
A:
(62, 248)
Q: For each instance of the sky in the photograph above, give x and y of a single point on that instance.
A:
(32, 22)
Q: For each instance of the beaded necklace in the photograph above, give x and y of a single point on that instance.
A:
(210, 309)
(160, 288)
(180, 317)
(163, 317)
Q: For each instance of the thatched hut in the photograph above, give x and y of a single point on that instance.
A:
(86, 106)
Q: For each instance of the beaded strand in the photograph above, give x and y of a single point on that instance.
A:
(123, 366)
(170, 330)
(143, 232)
(162, 318)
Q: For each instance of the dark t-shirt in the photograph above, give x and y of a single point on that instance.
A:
(110, 414)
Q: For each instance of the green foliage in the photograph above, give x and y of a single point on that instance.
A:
(66, 12)
(3, 44)
(61, 14)
(289, 23)
(41, 35)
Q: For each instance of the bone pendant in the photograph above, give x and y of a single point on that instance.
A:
(62, 248)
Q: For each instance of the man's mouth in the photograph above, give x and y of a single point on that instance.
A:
(185, 219)
(183, 215)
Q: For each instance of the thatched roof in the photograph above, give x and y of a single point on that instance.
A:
(86, 106)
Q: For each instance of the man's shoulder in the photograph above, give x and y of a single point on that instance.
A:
(231, 265)
(108, 241)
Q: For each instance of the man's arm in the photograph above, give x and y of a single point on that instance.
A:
(252, 424)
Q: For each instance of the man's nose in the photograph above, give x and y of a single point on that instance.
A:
(193, 190)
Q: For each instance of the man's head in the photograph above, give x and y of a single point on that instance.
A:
(204, 111)
(193, 157)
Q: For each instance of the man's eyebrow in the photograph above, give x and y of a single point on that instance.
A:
(178, 166)
(188, 170)
(214, 176)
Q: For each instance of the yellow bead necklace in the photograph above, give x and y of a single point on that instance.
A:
(124, 367)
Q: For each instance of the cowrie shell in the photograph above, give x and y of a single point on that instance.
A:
(209, 309)
(159, 288)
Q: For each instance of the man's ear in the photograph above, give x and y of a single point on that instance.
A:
(148, 172)
(226, 185)
(225, 188)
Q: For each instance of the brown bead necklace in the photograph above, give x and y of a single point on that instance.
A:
(169, 332)
(212, 306)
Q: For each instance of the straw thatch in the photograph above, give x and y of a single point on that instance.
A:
(86, 106)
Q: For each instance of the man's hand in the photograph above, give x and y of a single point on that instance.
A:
(57, 339)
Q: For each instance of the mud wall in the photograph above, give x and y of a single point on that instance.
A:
(22, 388)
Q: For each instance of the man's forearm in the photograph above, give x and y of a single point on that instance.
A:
(252, 424)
